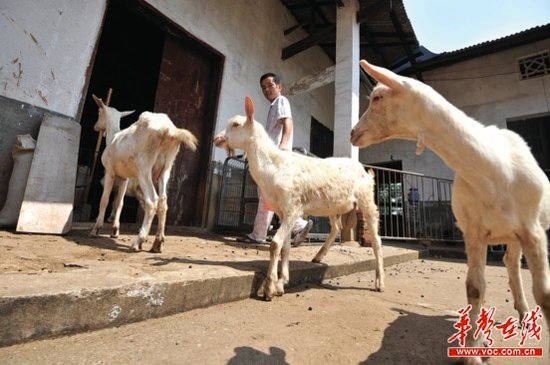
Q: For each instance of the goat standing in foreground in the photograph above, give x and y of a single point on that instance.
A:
(500, 194)
(146, 150)
(295, 185)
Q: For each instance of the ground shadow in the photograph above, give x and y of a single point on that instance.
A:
(332, 284)
(81, 236)
(250, 265)
(249, 355)
(300, 271)
(415, 339)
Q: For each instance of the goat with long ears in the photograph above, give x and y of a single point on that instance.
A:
(295, 185)
(500, 194)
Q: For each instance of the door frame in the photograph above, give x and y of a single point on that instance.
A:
(167, 25)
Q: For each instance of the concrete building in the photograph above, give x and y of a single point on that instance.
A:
(193, 60)
(503, 82)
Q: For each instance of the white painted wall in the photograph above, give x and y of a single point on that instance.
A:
(53, 43)
(488, 89)
(249, 33)
(46, 49)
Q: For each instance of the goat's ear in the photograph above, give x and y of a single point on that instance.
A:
(383, 75)
(249, 109)
(123, 114)
(98, 101)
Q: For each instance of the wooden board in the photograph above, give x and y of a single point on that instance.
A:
(186, 92)
(48, 202)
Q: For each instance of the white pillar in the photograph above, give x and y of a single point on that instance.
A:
(346, 110)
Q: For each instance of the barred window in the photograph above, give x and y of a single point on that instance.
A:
(536, 132)
(534, 65)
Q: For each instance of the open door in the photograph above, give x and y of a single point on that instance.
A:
(187, 91)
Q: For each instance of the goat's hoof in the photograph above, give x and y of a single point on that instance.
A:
(114, 235)
(136, 246)
(279, 289)
(316, 260)
(270, 291)
(261, 291)
(94, 233)
(157, 246)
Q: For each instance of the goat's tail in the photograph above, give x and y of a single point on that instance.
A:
(185, 137)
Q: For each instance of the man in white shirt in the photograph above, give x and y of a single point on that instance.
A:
(279, 127)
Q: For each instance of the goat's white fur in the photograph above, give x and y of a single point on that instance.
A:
(295, 185)
(500, 194)
(146, 151)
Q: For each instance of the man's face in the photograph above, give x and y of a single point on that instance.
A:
(270, 89)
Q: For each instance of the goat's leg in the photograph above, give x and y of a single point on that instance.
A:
(111, 217)
(371, 232)
(150, 205)
(119, 202)
(335, 227)
(536, 253)
(269, 287)
(371, 224)
(512, 260)
(285, 270)
(107, 187)
(475, 287)
(162, 208)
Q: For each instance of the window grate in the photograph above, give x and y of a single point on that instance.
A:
(535, 65)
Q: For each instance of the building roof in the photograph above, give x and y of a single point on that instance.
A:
(386, 33)
(433, 61)
(387, 37)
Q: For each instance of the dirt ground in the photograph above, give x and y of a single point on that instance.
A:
(339, 321)
(31, 253)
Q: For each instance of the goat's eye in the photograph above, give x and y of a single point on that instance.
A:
(235, 125)
(376, 98)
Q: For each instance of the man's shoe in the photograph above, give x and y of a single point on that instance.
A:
(248, 239)
(302, 235)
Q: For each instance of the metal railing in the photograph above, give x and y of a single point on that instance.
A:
(412, 206)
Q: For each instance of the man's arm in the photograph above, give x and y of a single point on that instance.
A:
(287, 131)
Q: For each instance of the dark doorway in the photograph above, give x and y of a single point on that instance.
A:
(135, 46)
(128, 61)
(321, 139)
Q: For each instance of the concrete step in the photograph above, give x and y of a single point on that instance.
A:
(89, 284)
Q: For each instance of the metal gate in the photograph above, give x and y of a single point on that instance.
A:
(238, 199)
(412, 206)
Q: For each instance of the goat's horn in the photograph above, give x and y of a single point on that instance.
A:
(98, 101)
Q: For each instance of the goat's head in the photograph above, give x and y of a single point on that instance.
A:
(391, 106)
(239, 130)
(107, 115)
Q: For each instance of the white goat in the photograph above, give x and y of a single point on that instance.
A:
(295, 185)
(146, 150)
(500, 195)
